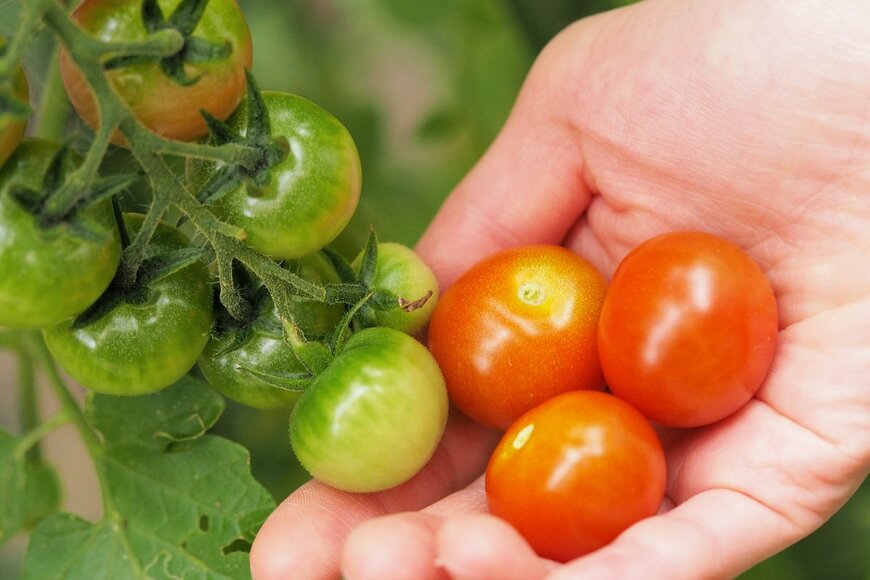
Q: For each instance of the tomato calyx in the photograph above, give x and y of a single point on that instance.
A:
(35, 202)
(192, 49)
(155, 267)
(257, 135)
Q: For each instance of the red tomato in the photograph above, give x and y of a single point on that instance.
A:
(517, 329)
(688, 329)
(570, 475)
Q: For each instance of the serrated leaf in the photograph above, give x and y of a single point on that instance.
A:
(30, 489)
(183, 503)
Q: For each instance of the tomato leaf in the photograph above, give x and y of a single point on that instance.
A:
(181, 503)
(30, 488)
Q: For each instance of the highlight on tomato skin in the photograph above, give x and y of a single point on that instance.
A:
(688, 330)
(517, 329)
(573, 473)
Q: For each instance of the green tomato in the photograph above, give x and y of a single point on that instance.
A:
(401, 271)
(12, 128)
(151, 338)
(374, 417)
(311, 194)
(50, 274)
(244, 360)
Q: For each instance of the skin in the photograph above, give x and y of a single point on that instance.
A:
(666, 115)
(517, 329)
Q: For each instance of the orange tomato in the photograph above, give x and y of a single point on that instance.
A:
(517, 329)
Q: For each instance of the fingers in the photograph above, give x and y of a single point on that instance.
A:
(716, 534)
(305, 535)
(529, 187)
(480, 546)
(397, 546)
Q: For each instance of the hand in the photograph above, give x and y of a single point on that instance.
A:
(745, 118)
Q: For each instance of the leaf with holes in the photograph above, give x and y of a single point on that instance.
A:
(178, 502)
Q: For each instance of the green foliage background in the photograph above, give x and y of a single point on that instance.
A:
(424, 87)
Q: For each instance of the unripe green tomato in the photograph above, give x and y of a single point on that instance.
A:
(311, 193)
(49, 274)
(401, 271)
(261, 349)
(141, 346)
(374, 417)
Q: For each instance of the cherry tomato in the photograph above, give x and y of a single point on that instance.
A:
(688, 330)
(12, 128)
(517, 329)
(311, 194)
(245, 360)
(573, 473)
(147, 341)
(374, 417)
(401, 271)
(164, 106)
(50, 274)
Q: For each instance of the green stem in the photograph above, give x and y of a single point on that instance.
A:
(160, 44)
(28, 402)
(31, 13)
(70, 408)
(231, 153)
(31, 440)
(53, 108)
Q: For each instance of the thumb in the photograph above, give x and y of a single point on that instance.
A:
(529, 187)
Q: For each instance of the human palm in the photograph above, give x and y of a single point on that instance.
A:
(743, 118)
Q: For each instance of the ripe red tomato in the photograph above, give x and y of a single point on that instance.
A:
(573, 473)
(517, 329)
(688, 329)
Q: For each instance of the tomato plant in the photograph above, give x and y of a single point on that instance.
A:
(573, 473)
(688, 330)
(401, 271)
(309, 196)
(210, 79)
(517, 329)
(144, 338)
(49, 272)
(374, 416)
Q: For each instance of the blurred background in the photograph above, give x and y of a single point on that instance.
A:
(423, 87)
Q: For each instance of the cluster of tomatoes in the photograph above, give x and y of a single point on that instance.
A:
(683, 336)
(369, 403)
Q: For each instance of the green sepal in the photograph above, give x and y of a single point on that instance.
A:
(342, 267)
(220, 132)
(174, 67)
(187, 15)
(295, 382)
(221, 182)
(369, 264)
(199, 50)
(152, 16)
